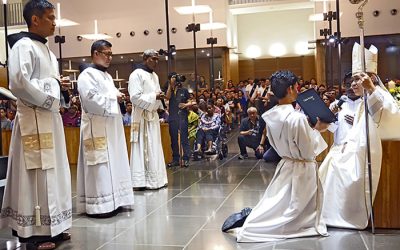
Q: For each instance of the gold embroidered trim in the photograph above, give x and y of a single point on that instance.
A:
(46, 140)
(30, 142)
(95, 143)
(135, 126)
(37, 142)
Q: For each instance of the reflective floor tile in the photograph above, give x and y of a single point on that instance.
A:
(191, 206)
(208, 190)
(125, 219)
(113, 246)
(154, 197)
(215, 239)
(5, 234)
(7, 244)
(382, 240)
(226, 178)
(254, 183)
(240, 170)
(244, 198)
(162, 230)
(89, 238)
(183, 179)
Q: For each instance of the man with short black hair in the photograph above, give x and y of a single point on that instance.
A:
(37, 199)
(147, 156)
(103, 174)
(127, 117)
(179, 103)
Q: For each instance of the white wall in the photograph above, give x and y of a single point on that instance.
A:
(2, 42)
(385, 23)
(264, 29)
(134, 15)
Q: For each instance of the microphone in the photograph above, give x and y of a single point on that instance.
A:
(342, 100)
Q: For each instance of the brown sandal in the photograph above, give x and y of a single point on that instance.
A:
(46, 246)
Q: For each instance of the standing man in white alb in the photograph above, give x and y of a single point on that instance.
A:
(104, 182)
(37, 199)
(147, 157)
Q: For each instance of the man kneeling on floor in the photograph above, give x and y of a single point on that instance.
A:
(291, 205)
(251, 130)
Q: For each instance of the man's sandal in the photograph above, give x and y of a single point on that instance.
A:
(46, 246)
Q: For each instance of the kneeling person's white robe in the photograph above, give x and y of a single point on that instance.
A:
(291, 205)
(38, 171)
(104, 182)
(147, 157)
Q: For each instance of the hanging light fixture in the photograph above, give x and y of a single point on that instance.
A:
(62, 22)
(196, 9)
(96, 35)
(211, 25)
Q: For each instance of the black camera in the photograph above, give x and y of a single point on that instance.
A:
(180, 78)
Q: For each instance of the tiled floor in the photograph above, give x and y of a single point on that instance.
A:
(189, 214)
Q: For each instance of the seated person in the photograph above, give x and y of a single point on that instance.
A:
(251, 130)
(72, 117)
(193, 123)
(210, 123)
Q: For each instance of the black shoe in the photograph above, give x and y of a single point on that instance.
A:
(186, 164)
(242, 157)
(172, 164)
(236, 220)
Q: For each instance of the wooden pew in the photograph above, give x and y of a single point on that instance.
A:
(72, 142)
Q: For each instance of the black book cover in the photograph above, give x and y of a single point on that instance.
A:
(313, 106)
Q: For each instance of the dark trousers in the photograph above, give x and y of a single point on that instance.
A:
(206, 136)
(271, 155)
(175, 126)
(251, 142)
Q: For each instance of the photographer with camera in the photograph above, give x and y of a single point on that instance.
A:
(178, 97)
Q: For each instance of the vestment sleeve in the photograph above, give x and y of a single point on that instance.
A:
(27, 84)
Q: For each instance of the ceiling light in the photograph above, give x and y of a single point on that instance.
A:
(212, 26)
(196, 9)
(96, 35)
(4, 1)
(62, 22)
(318, 17)
(253, 51)
(277, 49)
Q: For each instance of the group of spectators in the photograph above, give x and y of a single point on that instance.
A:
(239, 104)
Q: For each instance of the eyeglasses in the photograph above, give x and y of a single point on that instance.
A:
(109, 54)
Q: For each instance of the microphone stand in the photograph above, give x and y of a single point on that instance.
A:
(360, 17)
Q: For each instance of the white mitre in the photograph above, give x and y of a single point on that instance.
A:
(371, 59)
